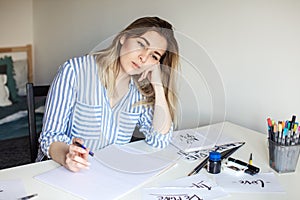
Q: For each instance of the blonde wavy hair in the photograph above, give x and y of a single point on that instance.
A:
(108, 61)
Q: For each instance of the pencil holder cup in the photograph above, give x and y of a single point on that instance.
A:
(282, 158)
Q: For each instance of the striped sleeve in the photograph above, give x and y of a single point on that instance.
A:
(153, 137)
(60, 100)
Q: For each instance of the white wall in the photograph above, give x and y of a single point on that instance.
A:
(16, 22)
(240, 58)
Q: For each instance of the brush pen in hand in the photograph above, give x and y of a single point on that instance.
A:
(80, 145)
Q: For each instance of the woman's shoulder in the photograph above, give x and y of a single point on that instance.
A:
(80, 64)
(82, 60)
(85, 64)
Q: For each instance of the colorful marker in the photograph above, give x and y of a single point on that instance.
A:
(250, 159)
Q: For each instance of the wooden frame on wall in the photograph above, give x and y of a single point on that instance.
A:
(28, 50)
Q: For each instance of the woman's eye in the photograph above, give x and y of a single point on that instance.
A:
(155, 57)
(141, 44)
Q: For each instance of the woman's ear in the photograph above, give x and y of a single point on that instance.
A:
(122, 39)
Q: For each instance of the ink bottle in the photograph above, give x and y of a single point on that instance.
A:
(214, 162)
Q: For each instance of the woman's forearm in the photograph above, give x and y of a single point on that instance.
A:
(162, 118)
(58, 152)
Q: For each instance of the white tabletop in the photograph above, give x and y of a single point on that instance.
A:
(256, 143)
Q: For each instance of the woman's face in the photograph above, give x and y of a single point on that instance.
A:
(140, 53)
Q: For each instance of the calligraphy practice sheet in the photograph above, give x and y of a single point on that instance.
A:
(245, 183)
(191, 187)
(11, 189)
(173, 193)
(190, 140)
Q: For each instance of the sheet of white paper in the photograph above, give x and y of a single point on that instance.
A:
(125, 159)
(259, 183)
(12, 189)
(205, 187)
(99, 182)
(199, 180)
(189, 140)
(174, 193)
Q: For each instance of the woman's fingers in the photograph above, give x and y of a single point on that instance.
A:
(147, 73)
(153, 73)
(77, 140)
(86, 155)
(143, 76)
(76, 163)
(77, 149)
(81, 162)
(73, 166)
(77, 158)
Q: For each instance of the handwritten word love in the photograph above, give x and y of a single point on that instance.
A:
(254, 182)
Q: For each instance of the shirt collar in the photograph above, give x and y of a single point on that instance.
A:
(131, 82)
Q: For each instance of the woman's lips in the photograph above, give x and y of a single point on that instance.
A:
(136, 65)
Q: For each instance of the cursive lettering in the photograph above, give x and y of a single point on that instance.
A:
(254, 182)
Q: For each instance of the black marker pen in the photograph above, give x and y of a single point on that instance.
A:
(28, 197)
(251, 168)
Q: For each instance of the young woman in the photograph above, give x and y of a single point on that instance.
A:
(99, 99)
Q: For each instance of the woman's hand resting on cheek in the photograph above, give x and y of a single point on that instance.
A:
(77, 157)
(153, 74)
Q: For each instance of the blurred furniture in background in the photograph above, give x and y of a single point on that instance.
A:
(34, 92)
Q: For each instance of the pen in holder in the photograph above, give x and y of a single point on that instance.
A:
(284, 144)
(283, 158)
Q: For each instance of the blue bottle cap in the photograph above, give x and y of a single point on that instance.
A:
(214, 156)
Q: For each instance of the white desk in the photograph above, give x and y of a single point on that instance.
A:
(256, 143)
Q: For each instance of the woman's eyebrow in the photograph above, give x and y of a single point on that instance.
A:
(148, 43)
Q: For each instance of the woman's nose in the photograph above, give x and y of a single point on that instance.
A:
(143, 57)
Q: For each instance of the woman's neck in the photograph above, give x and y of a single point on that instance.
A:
(122, 78)
(121, 88)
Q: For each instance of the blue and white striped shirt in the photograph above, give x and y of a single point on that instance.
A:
(78, 106)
